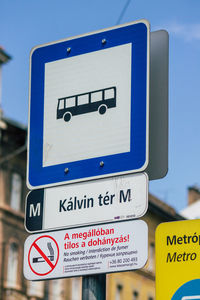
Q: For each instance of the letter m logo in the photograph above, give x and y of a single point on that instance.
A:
(34, 210)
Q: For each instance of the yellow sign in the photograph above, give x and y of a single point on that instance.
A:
(178, 260)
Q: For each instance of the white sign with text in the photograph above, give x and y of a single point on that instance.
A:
(106, 248)
(87, 203)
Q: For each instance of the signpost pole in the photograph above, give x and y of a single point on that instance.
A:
(94, 287)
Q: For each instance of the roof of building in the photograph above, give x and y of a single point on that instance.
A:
(166, 211)
(14, 123)
(13, 134)
(195, 188)
(192, 211)
(4, 57)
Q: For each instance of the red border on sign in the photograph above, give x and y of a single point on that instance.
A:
(52, 266)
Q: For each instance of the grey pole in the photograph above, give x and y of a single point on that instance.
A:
(94, 287)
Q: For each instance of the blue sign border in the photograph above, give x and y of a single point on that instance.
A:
(136, 33)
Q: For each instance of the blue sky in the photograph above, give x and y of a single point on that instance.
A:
(25, 24)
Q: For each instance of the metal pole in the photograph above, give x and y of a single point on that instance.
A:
(94, 287)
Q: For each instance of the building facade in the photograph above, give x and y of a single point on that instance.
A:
(13, 193)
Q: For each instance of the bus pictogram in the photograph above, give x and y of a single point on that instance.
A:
(98, 100)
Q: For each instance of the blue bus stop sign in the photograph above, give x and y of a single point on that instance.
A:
(88, 106)
(188, 291)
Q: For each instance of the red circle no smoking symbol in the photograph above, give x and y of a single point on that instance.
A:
(43, 255)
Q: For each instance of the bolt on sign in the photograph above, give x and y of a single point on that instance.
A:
(178, 260)
(86, 251)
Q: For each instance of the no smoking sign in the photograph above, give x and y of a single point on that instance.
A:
(87, 250)
(43, 255)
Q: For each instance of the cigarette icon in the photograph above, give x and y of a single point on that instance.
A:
(40, 259)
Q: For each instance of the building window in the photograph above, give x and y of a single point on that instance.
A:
(135, 295)
(16, 191)
(151, 257)
(57, 290)
(36, 289)
(76, 289)
(118, 295)
(12, 270)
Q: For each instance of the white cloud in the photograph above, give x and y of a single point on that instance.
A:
(189, 32)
